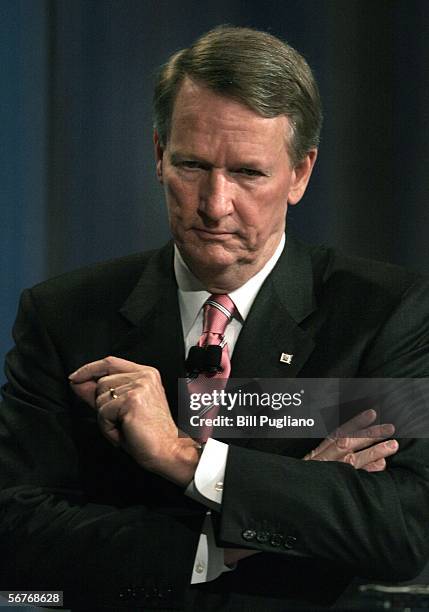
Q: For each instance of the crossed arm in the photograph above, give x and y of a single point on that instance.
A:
(139, 420)
(136, 417)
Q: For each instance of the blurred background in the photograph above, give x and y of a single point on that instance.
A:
(77, 175)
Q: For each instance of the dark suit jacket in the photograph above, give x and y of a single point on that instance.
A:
(81, 516)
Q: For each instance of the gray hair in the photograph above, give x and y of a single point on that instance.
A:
(252, 67)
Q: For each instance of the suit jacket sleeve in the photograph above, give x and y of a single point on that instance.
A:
(52, 534)
(373, 524)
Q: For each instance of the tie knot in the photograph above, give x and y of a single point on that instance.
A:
(218, 311)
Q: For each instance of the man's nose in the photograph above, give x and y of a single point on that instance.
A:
(216, 195)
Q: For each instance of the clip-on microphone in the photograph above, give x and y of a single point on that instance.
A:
(204, 359)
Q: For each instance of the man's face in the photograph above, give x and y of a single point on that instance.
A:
(228, 180)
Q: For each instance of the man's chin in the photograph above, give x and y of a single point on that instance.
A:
(208, 258)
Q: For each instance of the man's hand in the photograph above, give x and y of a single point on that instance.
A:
(359, 443)
(133, 413)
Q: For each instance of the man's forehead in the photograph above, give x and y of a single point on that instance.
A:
(199, 108)
(195, 96)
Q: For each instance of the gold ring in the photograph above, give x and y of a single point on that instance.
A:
(113, 393)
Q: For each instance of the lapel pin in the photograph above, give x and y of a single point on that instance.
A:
(286, 358)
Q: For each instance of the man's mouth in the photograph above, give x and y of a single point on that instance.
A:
(210, 234)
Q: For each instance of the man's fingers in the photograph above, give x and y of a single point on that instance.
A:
(109, 417)
(111, 391)
(109, 425)
(338, 448)
(371, 459)
(98, 377)
(360, 421)
(112, 411)
(365, 437)
(103, 367)
(86, 391)
(375, 466)
(372, 455)
(105, 383)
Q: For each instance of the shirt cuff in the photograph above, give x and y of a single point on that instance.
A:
(209, 560)
(207, 484)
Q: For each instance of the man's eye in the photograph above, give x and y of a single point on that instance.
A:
(191, 165)
(249, 172)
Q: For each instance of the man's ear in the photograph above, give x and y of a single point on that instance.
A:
(159, 154)
(300, 177)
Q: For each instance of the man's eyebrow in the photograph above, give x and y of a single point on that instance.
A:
(253, 165)
(176, 156)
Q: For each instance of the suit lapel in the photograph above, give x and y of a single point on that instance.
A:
(273, 325)
(156, 336)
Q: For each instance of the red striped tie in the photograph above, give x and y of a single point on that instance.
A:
(218, 312)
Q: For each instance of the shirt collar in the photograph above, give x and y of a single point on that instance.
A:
(192, 294)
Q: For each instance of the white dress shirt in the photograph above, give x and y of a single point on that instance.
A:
(207, 486)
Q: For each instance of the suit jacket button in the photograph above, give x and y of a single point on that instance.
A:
(263, 536)
(276, 539)
(248, 534)
(290, 541)
(125, 594)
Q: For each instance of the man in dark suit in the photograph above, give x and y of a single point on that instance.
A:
(237, 125)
